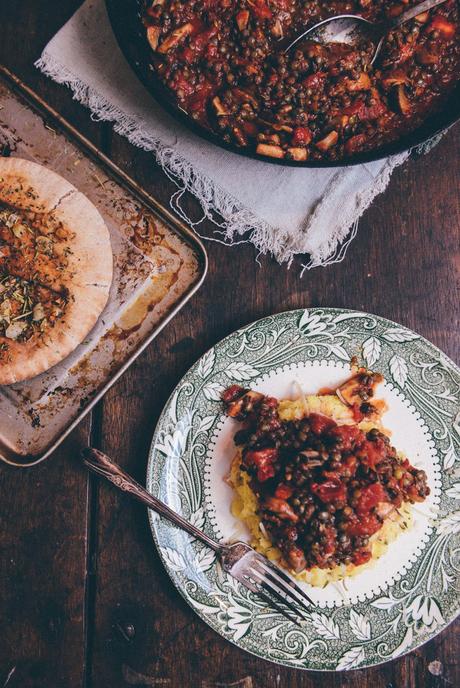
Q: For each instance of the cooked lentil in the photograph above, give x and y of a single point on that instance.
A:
(323, 489)
(222, 63)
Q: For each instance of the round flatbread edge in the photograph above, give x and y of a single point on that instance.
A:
(27, 185)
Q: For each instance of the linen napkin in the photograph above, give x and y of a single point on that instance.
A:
(282, 211)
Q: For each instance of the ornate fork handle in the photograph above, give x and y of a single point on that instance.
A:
(99, 463)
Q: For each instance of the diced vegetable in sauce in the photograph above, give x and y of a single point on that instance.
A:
(222, 62)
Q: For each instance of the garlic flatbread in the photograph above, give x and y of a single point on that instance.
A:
(55, 268)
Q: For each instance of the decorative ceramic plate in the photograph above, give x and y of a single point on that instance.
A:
(400, 601)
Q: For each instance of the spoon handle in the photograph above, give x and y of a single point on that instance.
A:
(411, 13)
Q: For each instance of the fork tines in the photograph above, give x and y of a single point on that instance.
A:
(282, 589)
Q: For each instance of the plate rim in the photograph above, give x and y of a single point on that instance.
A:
(153, 519)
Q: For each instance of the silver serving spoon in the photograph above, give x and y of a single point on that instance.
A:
(347, 28)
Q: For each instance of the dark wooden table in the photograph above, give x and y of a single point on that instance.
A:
(84, 598)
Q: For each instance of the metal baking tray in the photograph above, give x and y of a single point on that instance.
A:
(158, 264)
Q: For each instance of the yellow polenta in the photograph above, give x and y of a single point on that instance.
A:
(246, 508)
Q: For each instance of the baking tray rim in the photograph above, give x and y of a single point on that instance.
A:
(174, 222)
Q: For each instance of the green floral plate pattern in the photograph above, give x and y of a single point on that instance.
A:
(408, 595)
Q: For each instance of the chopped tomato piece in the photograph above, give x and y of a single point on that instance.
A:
(260, 9)
(197, 46)
(375, 111)
(263, 459)
(282, 4)
(366, 112)
(315, 80)
(197, 101)
(188, 55)
(320, 424)
(330, 544)
(361, 556)
(283, 491)
(364, 526)
(182, 87)
(232, 393)
(372, 453)
(211, 51)
(348, 435)
(250, 128)
(197, 25)
(414, 495)
(406, 51)
(370, 497)
(301, 136)
(242, 19)
(330, 490)
(202, 39)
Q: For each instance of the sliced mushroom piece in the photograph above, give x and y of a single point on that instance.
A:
(9, 218)
(351, 392)
(175, 37)
(362, 83)
(328, 141)
(244, 96)
(277, 29)
(282, 508)
(282, 127)
(239, 136)
(403, 101)
(219, 107)
(271, 151)
(153, 36)
(340, 121)
(276, 126)
(298, 154)
(273, 139)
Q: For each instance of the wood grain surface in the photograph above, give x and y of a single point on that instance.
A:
(84, 600)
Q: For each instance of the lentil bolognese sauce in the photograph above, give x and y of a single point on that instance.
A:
(323, 489)
(223, 64)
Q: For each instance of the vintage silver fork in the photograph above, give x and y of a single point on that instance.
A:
(242, 562)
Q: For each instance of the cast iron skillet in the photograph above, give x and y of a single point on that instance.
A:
(130, 34)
